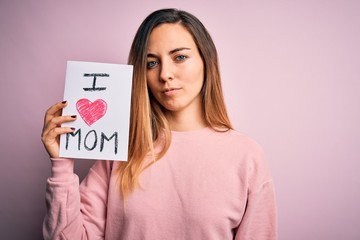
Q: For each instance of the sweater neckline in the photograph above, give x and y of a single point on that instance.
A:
(191, 133)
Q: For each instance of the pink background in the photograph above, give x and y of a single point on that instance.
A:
(291, 81)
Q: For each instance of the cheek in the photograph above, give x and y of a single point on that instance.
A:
(198, 74)
(198, 68)
(150, 88)
(193, 72)
(151, 81)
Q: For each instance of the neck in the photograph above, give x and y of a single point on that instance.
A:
(186, 120)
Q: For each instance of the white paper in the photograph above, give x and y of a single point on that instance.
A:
(102, 106)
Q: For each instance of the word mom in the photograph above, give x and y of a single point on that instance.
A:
(91, 140)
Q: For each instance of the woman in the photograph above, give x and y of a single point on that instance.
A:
(189, 175)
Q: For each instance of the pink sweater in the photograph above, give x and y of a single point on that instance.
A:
(209, 185)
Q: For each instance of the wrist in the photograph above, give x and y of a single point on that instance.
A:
(62, 168)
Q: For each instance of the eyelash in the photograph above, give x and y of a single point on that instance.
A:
(183, 58)
(153, 64)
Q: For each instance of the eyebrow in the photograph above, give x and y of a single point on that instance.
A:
(171, 52)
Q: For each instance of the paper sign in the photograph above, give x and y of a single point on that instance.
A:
(99, 94)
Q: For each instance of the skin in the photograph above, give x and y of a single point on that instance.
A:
(52, 130)
(175, 76)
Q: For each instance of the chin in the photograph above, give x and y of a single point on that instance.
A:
(173, 108)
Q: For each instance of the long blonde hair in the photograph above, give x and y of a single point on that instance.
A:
(147, 119)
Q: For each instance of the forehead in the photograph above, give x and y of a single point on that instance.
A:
(168, 36)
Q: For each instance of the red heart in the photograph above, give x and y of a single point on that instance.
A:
(89, 111)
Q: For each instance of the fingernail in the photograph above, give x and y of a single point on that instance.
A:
(73, 116)
(73, 128)
(63, 102)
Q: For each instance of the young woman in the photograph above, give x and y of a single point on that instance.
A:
(189, 174)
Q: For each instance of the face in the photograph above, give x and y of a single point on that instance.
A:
(175, 70)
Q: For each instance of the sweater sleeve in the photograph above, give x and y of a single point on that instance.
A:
(259, 221)
(76, 211)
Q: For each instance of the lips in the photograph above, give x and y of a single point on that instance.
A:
(169, 91)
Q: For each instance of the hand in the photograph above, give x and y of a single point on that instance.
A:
(52, 129)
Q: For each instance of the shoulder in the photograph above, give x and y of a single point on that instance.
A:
(239, 141)
(247, 145)
(248, 154)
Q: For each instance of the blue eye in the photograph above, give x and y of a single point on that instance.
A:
(180, 58)
(151, 64)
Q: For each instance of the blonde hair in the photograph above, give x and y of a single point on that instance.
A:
(147, 119)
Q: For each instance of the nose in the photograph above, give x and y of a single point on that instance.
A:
(166, 71)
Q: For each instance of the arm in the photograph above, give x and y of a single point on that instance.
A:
(73, 211)
(260, 219)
